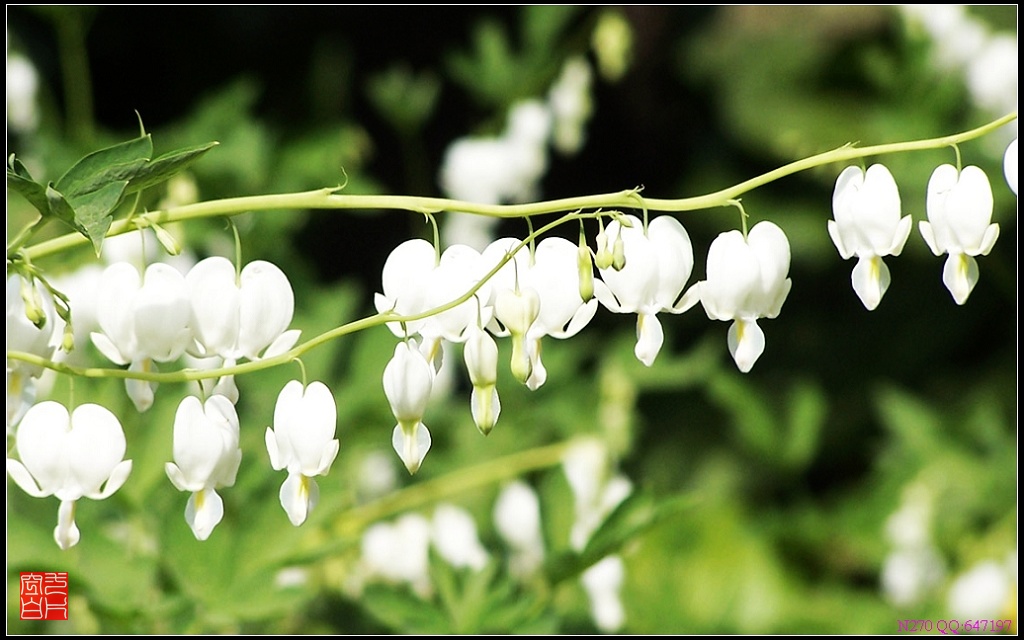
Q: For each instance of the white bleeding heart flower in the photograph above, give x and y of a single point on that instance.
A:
(302, 442)
(70, 456)
(408, 381)
(959, 224)
(746, 280)
(868, 225)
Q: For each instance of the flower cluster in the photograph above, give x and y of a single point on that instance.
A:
(210, 313)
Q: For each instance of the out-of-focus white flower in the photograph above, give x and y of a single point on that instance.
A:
(302, 441)
(517, 519)
(658, 262)
(492, 170)
(910, 573)
(399, 552)
(1010, 165)
(454, 535)
(206, 456)
(596, 488)
(868, 225)
(746, 280)
(22, 86)
(603, 582)
(960, 224)
(983, 592)
(571, 105)
(992, 74)
(408, 379)
(71, 456)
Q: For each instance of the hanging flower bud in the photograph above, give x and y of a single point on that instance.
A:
(517, 310)
(586, 269)
(603, 258)
(408, 381)
(481, 354)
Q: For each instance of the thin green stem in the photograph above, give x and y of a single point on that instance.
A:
(26, 234)
(329, 198)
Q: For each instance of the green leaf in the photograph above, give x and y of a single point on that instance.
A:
(634, 516)
(20, 181)
(402, 611)
(95, 171)
(94, 211)
(58, 207)
(165, 166)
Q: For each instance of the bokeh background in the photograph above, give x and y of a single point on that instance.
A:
(864, 472)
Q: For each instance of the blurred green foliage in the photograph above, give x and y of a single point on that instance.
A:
(761, 501)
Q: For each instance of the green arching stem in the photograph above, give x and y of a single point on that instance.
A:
(187, 375)
(329, 198)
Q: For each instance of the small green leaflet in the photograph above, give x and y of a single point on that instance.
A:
(87, 195)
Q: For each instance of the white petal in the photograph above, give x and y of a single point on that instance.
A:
(732, 274)
(107, 347)
(674, 253)
(115, 312)
(408, 380)
(1010, 166)
(770, 245)
(267, 305)
(95, 446)
(411, 447)
(282, 343)
(117, 478)
(161, 313)
(960, 274)
(902, 234)
(837, 239)
(929, 237)
(870, 280)
(481, 357)
(276, 459)
(178, 478)
(313, 427)
(649, 338)
(66, 533)
(41, 445)
(215, 301)
(746, 343)
(538, 373)
(141, 392)
(24, 479)
(969, 208)
(204, 511)
(485, 407)
(988, 241)
(636, 284)
(299, 495)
